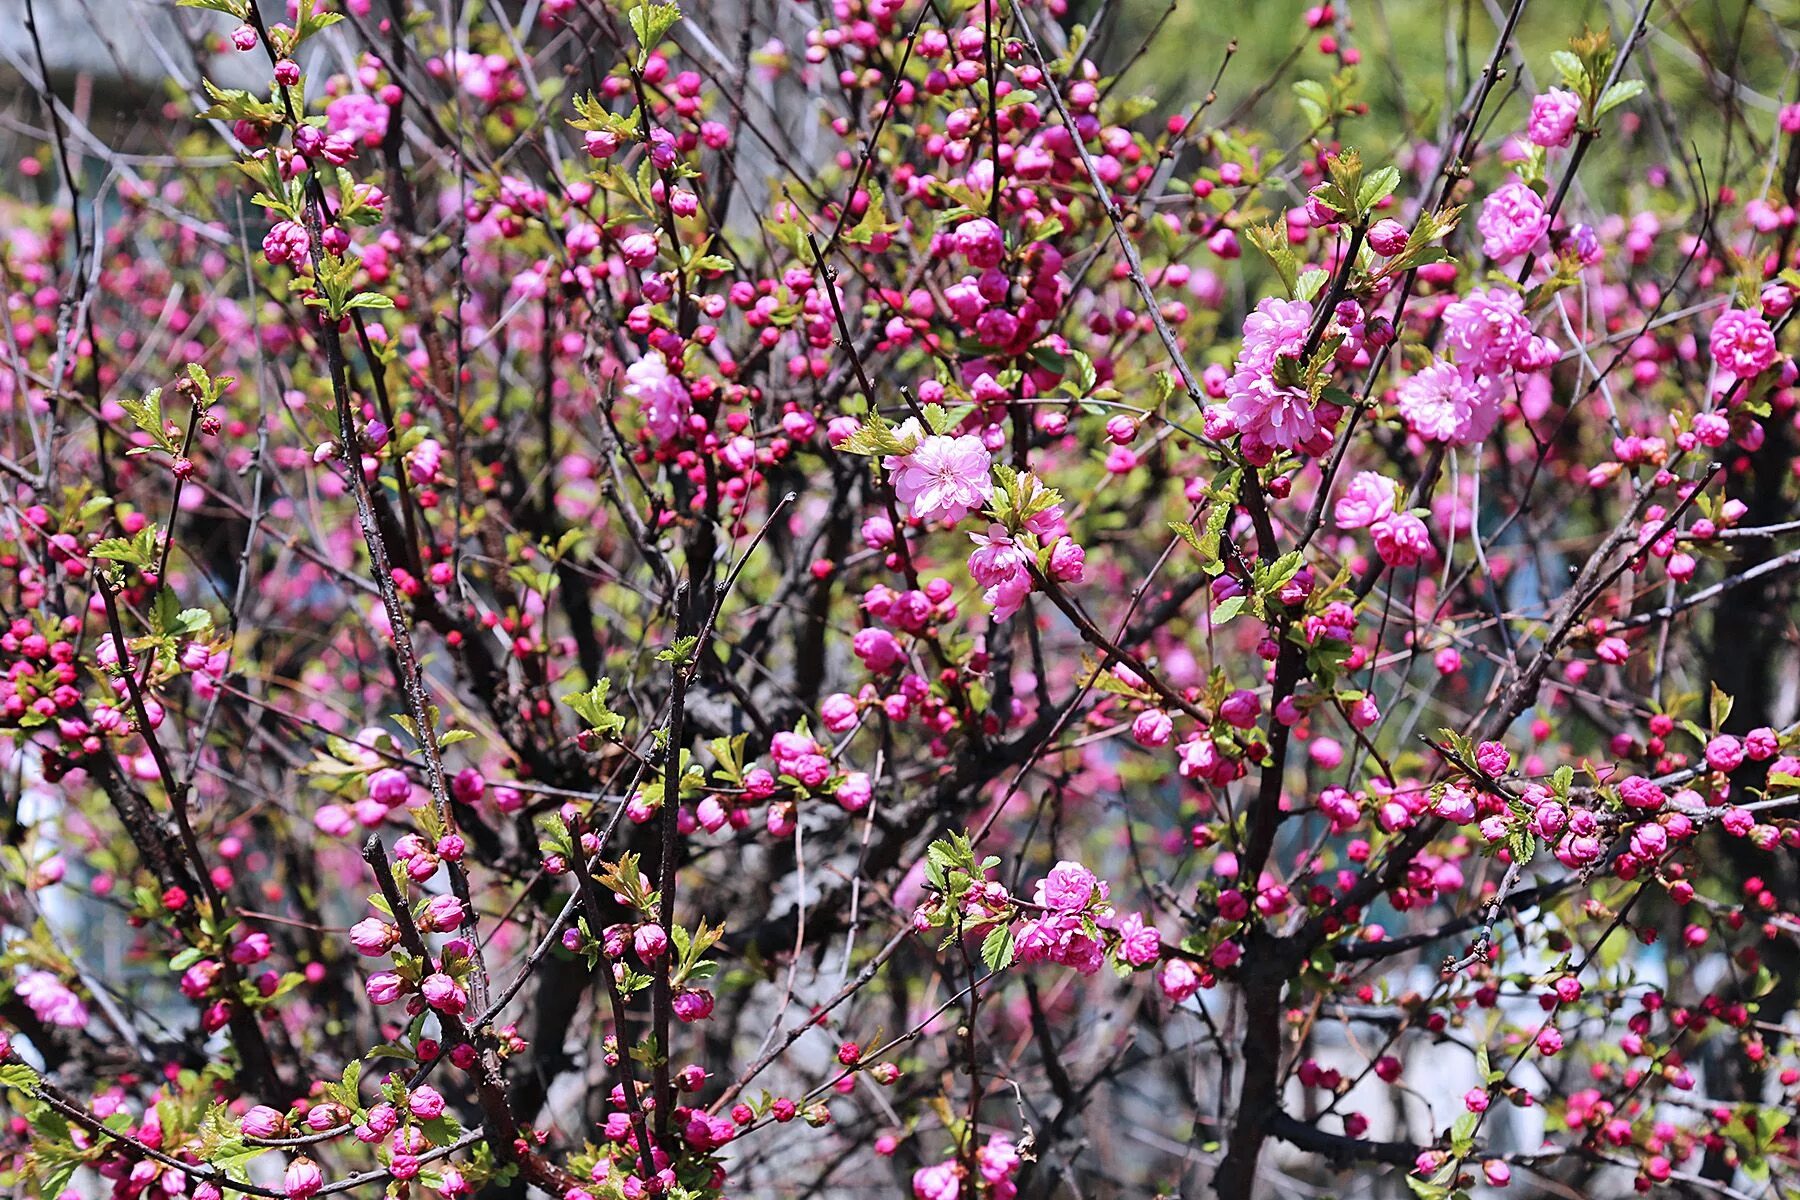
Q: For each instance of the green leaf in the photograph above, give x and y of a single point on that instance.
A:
(680, 650)
(1228, 608)
(651, 22)
(1618, 94)
(1376, 188)
(1311, 282)
(997, 948)
(1569, 66)
(18, 1075)
(591, 706)
(369, 300)
(1186, 532)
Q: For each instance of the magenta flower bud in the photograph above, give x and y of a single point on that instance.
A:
(1387, 237)
(384, 987)
(426, 1103)
(252, 948)
(1319, 213)
(638, 250)
(1152, 728)
(1178, 980)
(373, 937)
(444, 993)
(650, 942)
(441, 914)
(839, 712)
(302, 1179)
(855, 792)
(693, 1005)
(263, 1122)
(1067, 561)
(287, 72)
(390, 787)
(710, 814)
(1724, 753)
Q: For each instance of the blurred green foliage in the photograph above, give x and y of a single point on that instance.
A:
(1717, 73)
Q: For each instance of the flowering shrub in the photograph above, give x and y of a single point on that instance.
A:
(580, 585)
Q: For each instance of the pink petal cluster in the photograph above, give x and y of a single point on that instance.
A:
(1269, 416)
(1512, 221)
(1742, 344)
(1553, 117)
(943, 478)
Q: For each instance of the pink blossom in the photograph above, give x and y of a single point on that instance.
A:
(1401, 539)
(1388, 237)
(1553, 116)
(981, 243)
(1069, 886)
(1445, 404)
(839, 712)
(1742, 344)
(262, 1122)
(302, 1179)
(444, 993)
(1268, 415)
(1487, 329)
(999, 565)
(693, 1004)
(441, 914)
(937, 1182)
(1724, 753)
(1367, 499)
(1139, 944)
(854, 794)
(638, 250)
(384, 987)
(662, 398)
(51, 1001)
(1512, 221)
(943, 478)
(1178, 980)
(1152, 728)
(425, 1102)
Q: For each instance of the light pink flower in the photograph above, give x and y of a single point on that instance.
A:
(1139, 945)
(1487, 329)
(1368, 498)
(1445, 404)
(662, 398)
(1068, 887)
(999, 564)
(1267, 415)
(1401, 539)
(943, 478)
(938, 1182)
(1742, 344)
(1553, 116)
(1178, 980)
(302, 1179)
(51, 1001)
(1511, 222)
